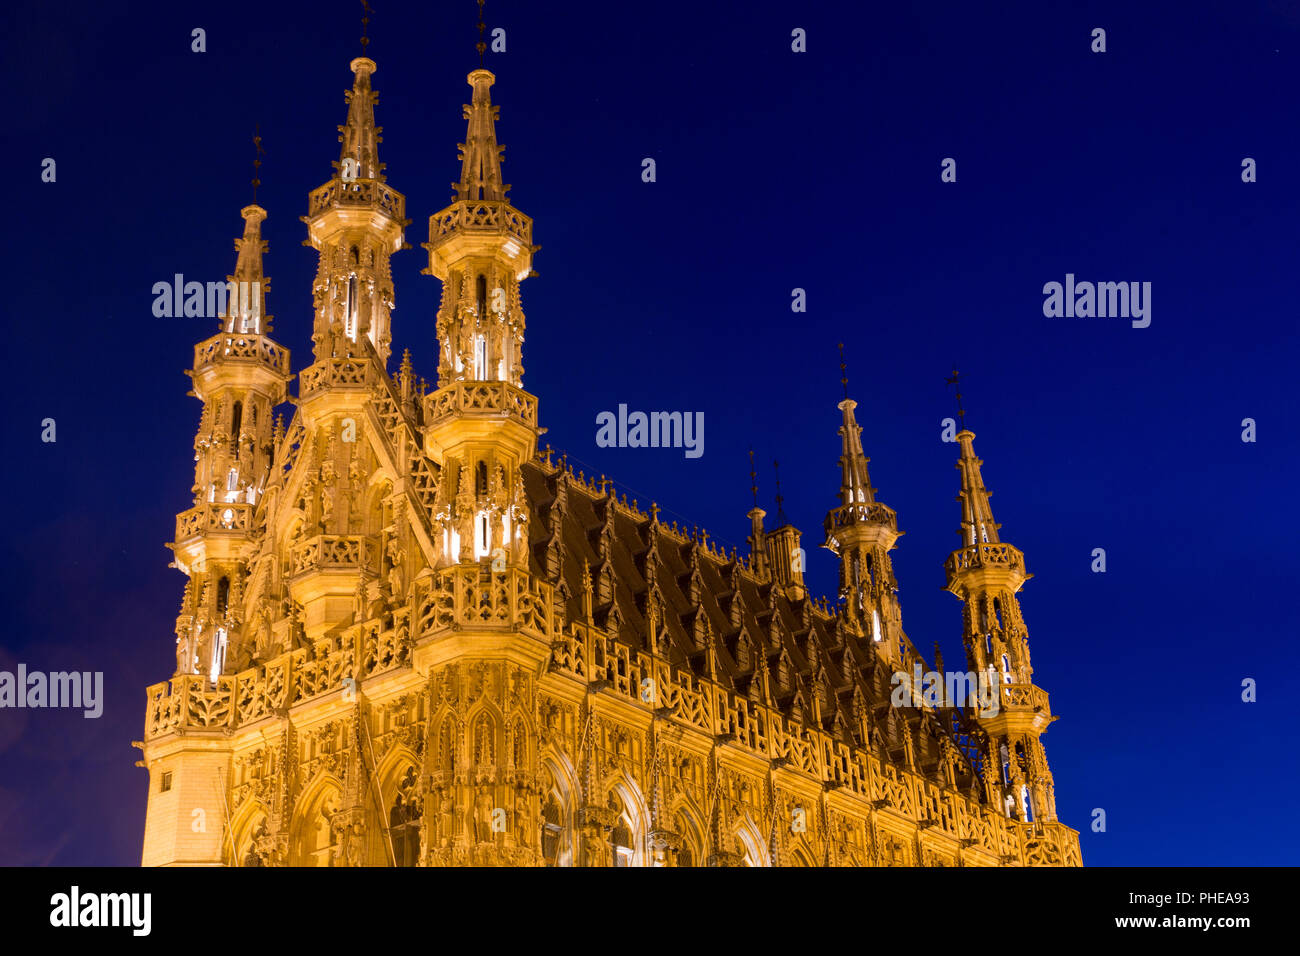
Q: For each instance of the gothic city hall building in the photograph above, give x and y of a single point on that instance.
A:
(410, 637)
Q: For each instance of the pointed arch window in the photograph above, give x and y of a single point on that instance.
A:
(876, 632)
(1006, 670)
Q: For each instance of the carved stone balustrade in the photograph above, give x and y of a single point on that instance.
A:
(334, 552)
(241, 348)
(363, 192)
(488, 217)
(189, 704)
(847, 515)
(485, 399)
(985, 555)
(334, 373)
(473, 596)
(214, 517)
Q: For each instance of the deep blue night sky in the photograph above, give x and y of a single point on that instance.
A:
(776, 170)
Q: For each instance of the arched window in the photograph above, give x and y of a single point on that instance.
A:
(1027, 803)
(223, 596)
(481, 479)
(236, 420)
(876, 632)
(1006, 670)
(480, 296)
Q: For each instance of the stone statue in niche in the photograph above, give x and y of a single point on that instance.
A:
(396, 576)
(184, 652)
(329, 490)
(521, 818)
(447, 820)
(483, 816)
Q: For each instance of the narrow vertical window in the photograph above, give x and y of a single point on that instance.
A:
(480, 357)
(350, 319)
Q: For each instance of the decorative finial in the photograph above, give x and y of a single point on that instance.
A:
(480, 46)
(365, 20)
(961, 413)
(753, 478)
(780, 510)
(258, 153)
(604, 485)
(844, 375)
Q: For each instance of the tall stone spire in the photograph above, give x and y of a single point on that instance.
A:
(855, 485)
(861, 532)
(986, 573)
(977, 524)
(480, 171)
(356, 222)
(359, 135)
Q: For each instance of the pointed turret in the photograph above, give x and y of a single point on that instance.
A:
(481, 424)
(861, 532)
(356, 222)
(985, 573)
(240, 375)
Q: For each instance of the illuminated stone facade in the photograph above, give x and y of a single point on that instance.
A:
(409, 637)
